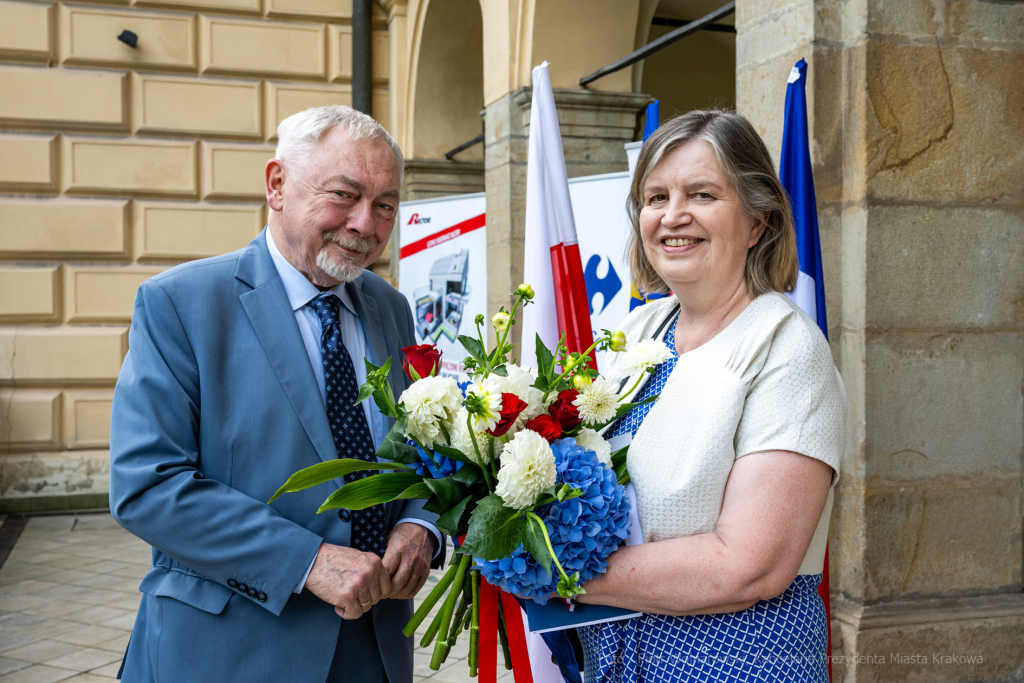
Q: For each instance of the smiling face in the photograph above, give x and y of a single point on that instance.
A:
(331, 215)
(695, 231)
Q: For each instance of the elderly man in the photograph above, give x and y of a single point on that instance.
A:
(244, 369)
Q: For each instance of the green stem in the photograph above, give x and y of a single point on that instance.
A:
(508, 328)
(431, 630)
(460, 615)
(474, 634)
(479, 457)
(444, 431)
(442, 646)
(503, 637)
(632, 388)
(547, 540)
(430, 601)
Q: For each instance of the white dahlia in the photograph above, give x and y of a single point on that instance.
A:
(527, 468)
(429, 402)
(488, 392)
(590, 440)
(597, 403)
(462, 440)
(520, 382)
(643, 355)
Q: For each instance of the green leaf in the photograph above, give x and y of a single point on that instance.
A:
(494, 530)
(395, 448)
(451, 522)
(447, 493)
(619, 456)
(568, 492)
(386, 368)
(326, 471)
(534, 543)
(544, 359)
(370, 367)
(377, 489)
(623, 409)
(570, 588)
(469, 474)
(453, 453)
(474, 348)
(500, 370)
(364, 393)
(381, 401)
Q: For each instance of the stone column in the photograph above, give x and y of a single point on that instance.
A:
(594, 127)
(917, 118)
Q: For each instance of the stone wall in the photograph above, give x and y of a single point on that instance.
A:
(917, 121)
(118, 162)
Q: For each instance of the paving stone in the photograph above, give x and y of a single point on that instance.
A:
(117, 644)
(9, 665)
(37, 674)
(85, 659)
(42, 651)
(89, 636)
(9, 641)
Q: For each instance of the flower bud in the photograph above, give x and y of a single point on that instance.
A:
(479, 319)
(618, 342)
(581, 382)
(500, 321)
(525, 291)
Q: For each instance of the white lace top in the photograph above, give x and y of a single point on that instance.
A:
(767, 382)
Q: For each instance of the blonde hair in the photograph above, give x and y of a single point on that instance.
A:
(772, 263)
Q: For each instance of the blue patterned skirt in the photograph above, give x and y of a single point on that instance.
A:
(783, 639)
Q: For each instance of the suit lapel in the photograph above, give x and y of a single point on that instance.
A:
(274, 322)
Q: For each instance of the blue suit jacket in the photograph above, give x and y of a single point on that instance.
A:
(215, 407)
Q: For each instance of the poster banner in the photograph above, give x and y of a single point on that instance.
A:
(602, 227)
(442, 271)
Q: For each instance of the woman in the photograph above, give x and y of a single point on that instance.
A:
(734, 464)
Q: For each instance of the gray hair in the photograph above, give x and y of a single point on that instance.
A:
(299, 134)
(772, 263)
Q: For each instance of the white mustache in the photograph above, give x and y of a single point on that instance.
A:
(363, 246)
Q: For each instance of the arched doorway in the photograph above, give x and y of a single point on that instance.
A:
(696, 72)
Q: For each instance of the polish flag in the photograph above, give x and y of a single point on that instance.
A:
(552, 254)
(555, 271)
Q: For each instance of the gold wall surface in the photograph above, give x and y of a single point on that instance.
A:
(117, 163)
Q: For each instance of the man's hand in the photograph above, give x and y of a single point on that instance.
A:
(407, 559)
(349, 579)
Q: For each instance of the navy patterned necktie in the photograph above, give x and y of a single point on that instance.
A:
(348, 422)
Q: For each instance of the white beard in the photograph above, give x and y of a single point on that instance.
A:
(340, 269)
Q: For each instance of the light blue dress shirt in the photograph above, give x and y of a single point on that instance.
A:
(300, 292)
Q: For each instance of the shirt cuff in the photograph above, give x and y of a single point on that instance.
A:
(430, 527)
(302, 583)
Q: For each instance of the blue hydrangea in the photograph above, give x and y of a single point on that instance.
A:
(437, 466)
(584, 531)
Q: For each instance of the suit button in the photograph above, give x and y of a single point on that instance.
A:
(345, 515)
(251, 592)
(242, 587)
(232, 583)
(262, 597)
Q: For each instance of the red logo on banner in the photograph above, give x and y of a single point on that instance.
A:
(443, 236)
(415, 218)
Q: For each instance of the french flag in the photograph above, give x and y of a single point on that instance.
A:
(809, 295)
(552, 254)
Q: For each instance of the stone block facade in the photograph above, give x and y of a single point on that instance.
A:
(117, 163)
(916, 140)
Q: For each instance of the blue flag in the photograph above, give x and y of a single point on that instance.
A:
(795, 174)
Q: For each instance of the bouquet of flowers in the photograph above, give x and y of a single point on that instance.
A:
(512, 463)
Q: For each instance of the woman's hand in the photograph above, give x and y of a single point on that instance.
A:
(771, 508)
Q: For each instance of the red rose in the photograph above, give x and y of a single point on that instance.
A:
(422, 360)
(564, 411)
(511, 406)
(546, 426)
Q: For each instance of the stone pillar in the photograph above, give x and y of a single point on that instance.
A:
(594, 127)
(426, 178)
(917, 120)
